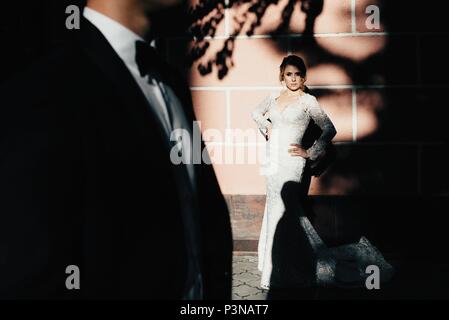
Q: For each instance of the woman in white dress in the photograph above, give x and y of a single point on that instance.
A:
(300, 258)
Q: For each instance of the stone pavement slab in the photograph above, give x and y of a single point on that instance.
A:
(246, 279)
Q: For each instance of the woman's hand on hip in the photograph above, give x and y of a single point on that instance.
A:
(297, 151)
(268, 133)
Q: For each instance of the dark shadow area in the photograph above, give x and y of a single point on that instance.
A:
(291, 269)
(29, 30)
(85, 162)
(293, 258)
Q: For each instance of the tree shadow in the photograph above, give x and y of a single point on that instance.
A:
(204, 24)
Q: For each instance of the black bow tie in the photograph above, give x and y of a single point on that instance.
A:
(148, 60)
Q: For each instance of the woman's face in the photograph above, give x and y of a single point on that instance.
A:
(292, 78)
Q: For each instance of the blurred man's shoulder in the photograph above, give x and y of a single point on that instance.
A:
(57, 72)
(52, 86)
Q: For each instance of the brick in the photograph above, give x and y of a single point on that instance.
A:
(245, 246)
(433, 58)
(246, 216)
(406, 16)
(210, 109)
(361, 15)
(372, 169)
(334, 17)
(328, 73)
(255, 62)
(434, 174)
(240, 179)
(369, 104)
(407, 114)
(242, 104)
(338, 106)
(236, 154)
(332, 61)
(242, 19)
(341, 50)
(353, 48)
(396, 63)
(220, 27)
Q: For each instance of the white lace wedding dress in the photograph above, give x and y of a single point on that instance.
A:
(318, 264)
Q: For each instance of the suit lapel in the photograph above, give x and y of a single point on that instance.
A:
(136, 105)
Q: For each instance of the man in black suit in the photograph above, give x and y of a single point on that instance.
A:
(87, 179)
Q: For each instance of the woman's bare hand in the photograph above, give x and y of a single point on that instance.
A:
(298, 151)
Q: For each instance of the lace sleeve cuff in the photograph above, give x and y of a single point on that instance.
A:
(316, 150)
(258, 115)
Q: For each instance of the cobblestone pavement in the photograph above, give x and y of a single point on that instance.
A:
(246, 279)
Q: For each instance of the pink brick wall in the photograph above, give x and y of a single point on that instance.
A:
(341, 40)
(377, 86)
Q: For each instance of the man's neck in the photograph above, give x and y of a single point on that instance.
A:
(130, 14)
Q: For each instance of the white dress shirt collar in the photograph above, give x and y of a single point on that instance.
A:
(121, 39)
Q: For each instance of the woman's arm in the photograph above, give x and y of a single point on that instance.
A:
(322, 120)
(258, 115)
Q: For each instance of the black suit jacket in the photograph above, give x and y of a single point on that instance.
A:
(85, 179)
